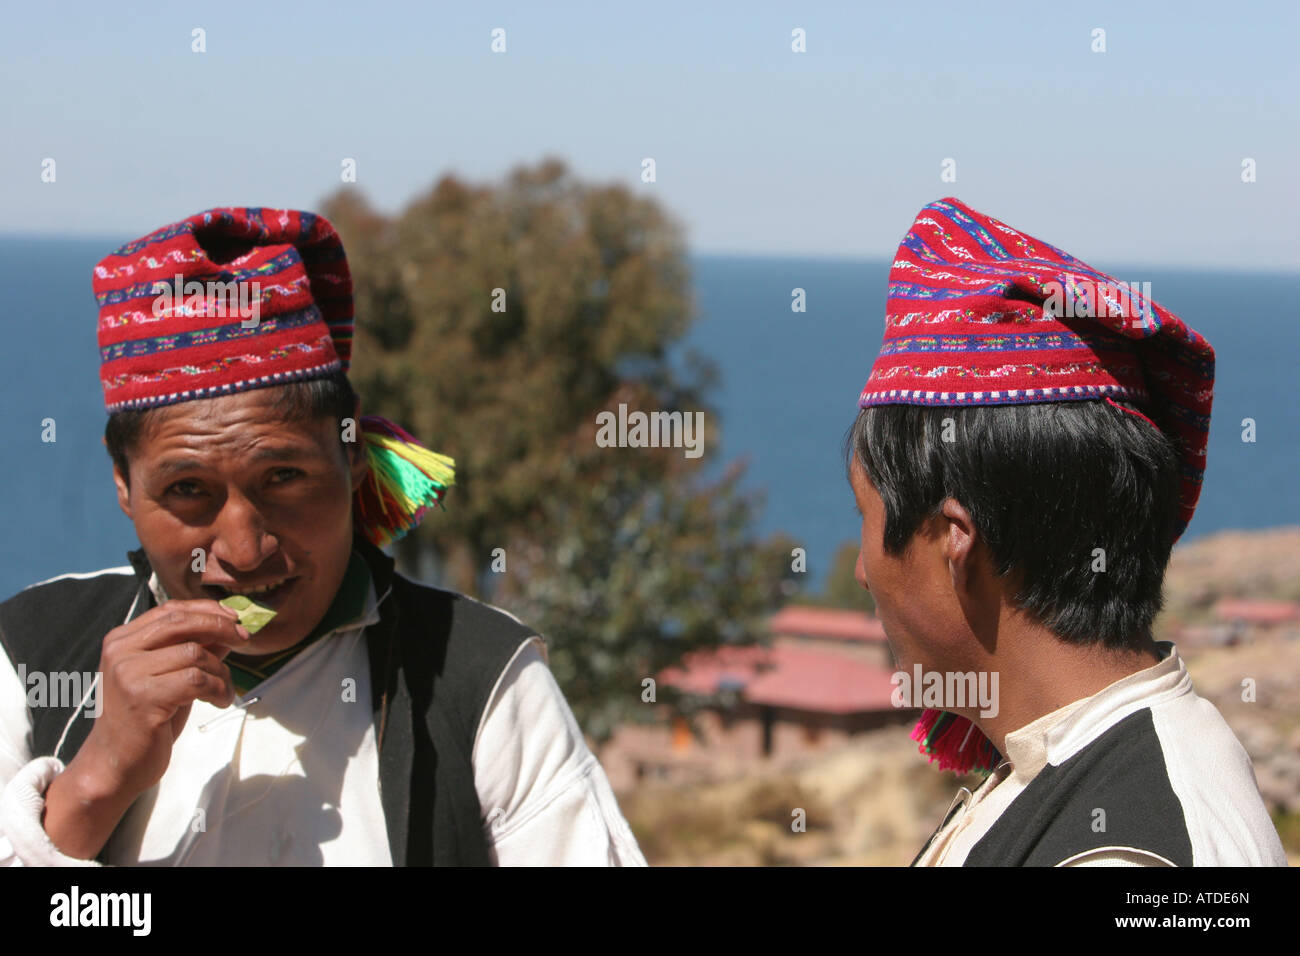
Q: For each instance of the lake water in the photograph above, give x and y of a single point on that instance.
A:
(788, 391)
(791, 381)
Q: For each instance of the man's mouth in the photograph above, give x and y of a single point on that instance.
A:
(270, 594)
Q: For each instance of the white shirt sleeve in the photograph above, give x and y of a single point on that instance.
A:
(1116, 856)
(15, 723)
(546, 800)
(23, 782)
(23, 840)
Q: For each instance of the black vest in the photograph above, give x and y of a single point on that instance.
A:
(434, 658)
(1122, 772)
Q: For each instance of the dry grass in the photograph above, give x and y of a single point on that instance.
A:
(870, 802)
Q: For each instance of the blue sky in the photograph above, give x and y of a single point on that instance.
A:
(1127, 157)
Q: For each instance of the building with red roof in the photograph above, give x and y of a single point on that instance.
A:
(1260, 613)
(824, 677)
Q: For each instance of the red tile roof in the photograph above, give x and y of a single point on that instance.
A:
(707, 672)
(825, 679)
(1257, 612)
(827, 622)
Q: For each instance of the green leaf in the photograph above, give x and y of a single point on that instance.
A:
(252, 615)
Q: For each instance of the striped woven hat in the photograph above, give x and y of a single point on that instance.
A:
(238, 298)
(162, 343)
(979, 313)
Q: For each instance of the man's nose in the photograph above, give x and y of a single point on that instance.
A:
(860, 573)
(240, 539)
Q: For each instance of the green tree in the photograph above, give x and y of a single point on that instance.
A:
(638, 574)
(495, 323)
(592, 288)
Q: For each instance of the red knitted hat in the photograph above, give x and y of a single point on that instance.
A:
(177, 308)
(979, 313)
(233, 299)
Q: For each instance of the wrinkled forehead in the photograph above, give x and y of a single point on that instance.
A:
(233, 424)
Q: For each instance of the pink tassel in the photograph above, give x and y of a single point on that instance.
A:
(954, 743)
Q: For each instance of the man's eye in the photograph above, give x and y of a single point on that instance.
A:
(281, 475)
(185, 489)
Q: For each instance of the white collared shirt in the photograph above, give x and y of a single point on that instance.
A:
(1209, 773)
(292, 779)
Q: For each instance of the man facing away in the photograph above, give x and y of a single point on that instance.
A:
(1029, 446)
(373, 720)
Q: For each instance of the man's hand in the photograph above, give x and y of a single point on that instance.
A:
(153, 669)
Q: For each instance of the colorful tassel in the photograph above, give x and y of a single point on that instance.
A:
(406, 480)
(955, 742)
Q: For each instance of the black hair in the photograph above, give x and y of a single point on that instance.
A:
(330, 396)
(1046, 485)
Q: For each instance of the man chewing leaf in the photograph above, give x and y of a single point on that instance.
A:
(380, 721)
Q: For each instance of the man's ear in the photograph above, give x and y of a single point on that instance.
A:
(123, 492)
(357, 460)
(960, 538)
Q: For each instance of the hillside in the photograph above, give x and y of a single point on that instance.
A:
(874, 800)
